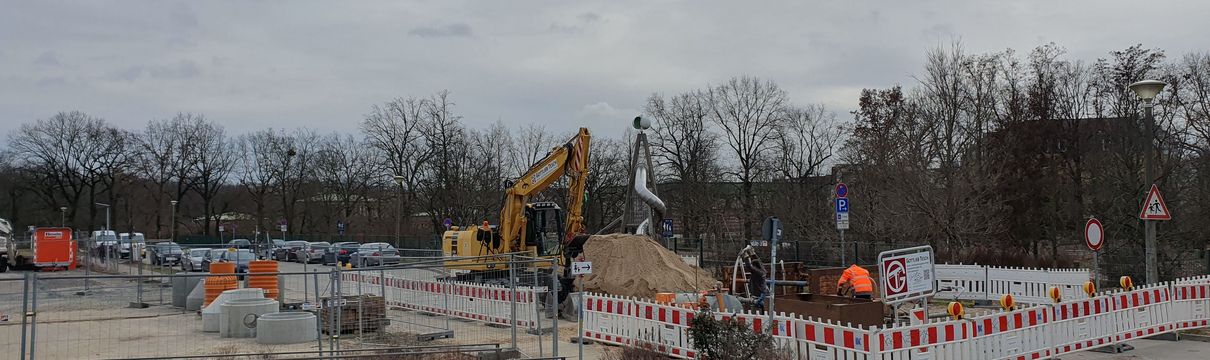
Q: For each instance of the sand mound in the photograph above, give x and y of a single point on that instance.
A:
(636, 265)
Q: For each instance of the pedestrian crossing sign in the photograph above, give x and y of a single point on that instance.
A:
(1154, 207)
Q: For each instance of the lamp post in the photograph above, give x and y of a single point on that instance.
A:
(399, 216)
(1146, 90)
(63, 216)
(173, 226)
(106, 214)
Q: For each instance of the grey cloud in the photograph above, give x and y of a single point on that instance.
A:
(52, 81)
(181, 70)
(589, 17)
(182, 15)
(451, 30)
(48, 58)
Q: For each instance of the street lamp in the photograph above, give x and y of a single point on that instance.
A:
(173, 226)
(63, 216)
(1146, 90)
(399, 216)
(106, 214)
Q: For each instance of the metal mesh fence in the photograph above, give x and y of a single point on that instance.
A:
(115, 307)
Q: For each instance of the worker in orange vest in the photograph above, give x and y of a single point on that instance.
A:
(858, 279)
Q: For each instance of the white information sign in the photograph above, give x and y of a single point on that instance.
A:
(906, 274)
(581, 268)
(842, 221)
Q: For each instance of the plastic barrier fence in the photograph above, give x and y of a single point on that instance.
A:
(488, 303)
(1037, 332)
(1027, 285)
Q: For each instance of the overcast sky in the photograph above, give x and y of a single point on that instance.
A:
(250, 65)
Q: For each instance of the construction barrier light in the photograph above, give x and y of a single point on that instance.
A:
(1007, 302)
(1090, 288)
(1126, 282)
(1055, 294)
(955, 309)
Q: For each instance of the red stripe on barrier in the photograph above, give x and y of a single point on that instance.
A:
(848, 340)
(829, 336)
(949, 332)
(810, 332)
(932, 332)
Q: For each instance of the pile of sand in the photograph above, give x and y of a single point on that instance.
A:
(636, 265)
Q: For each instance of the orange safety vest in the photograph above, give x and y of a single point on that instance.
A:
(859, 278)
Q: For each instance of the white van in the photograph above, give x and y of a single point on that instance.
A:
(131, 243)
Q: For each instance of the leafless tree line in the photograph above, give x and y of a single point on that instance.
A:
(1001, 151)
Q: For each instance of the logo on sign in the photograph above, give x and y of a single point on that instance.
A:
(896, 273)
(842, 205)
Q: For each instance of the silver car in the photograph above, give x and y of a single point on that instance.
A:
(375, 254)
(193, 259)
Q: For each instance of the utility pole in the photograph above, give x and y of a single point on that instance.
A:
(173, 226)
(1146, 90)
(63, 216)
(399, 213)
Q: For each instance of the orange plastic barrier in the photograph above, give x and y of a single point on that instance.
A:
(265, 282)
(216, 285)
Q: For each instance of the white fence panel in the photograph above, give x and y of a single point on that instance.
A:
(935, 340)
(1190, 306)
(1142, 312)
(1082, 324)
(961, 282)
(1013, 334)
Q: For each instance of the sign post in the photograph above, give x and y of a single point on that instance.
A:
(842, 218)
(579, 269)
(1154, 208)
(1094, 237)
(906, 275)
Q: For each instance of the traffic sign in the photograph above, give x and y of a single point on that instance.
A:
(283, 227)
(340, 227)
(447, 223)
(842, 191)
(842, 221)
(667, 227)
(581, 268)
(1094, 234)
(1154, 207)
(842, 205)
(906, 274)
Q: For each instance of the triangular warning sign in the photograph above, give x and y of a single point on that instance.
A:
(1155, 208)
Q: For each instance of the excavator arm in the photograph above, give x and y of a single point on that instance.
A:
(570, 159)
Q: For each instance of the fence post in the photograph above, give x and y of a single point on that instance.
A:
(24, 310)
(33, 315)
(318, 322)
(553, 303)
(512, 299)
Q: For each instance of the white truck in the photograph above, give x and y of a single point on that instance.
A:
(8, 247)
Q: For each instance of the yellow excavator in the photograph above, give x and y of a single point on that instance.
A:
(478, 252)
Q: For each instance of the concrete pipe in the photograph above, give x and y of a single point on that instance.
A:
(239, 317)
(286, 328)
(211, 313)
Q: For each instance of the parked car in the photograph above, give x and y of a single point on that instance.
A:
(241, 258)
(212, 256)
(105, 242)
(166, 253)
(375, 254)
(313, 252)
(192, 260)
(268, 249)
(240, 244)
(131, 243)
(340, 253)
(289, 251)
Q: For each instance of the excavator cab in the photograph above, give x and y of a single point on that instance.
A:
(544, 227)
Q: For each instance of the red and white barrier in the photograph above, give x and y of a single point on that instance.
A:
(1042, 331)
(1190, 306)
(1142, 312)
(1082, 324)
(471, 301)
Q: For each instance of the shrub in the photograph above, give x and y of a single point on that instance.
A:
(730, 339)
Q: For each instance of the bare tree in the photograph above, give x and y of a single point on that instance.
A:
(686, 150)
(807, 138)
(395, 131)
(747, 109)
(347, 169)
(213, 164)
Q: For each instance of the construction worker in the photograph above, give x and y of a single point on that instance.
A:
(858, 279)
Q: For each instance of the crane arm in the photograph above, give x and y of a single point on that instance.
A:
(571, 157)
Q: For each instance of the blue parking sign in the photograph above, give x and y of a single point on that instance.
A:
(842, 205)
